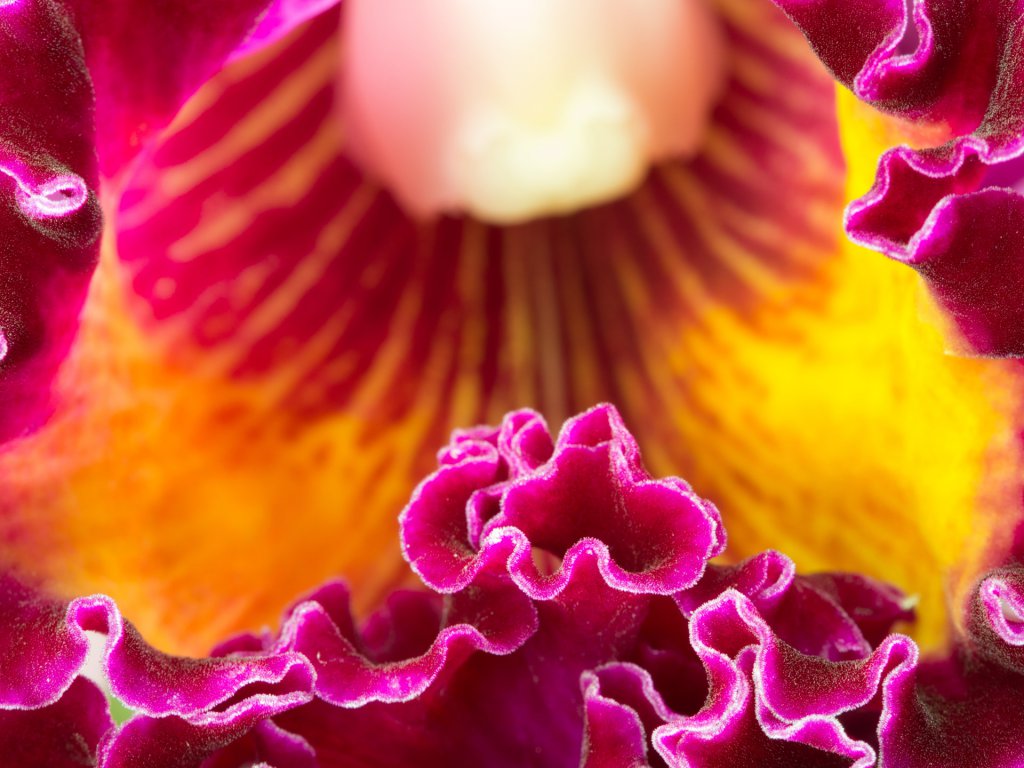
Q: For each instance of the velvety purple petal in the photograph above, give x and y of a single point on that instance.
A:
(765, 578)
(48, 207)
(39, 655)
(964, 709)
(495, 501)
(407, 645)
(203, 691)
(796, 697)
(171, 742)
(60, 735)
(875, 607)
(935, 60)
(624, 709)
(960, 238)
(956, 65)
(614, 734)
(502, 689)
(851, 613)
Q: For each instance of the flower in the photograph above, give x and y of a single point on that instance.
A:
(270, 341)
(555, 630)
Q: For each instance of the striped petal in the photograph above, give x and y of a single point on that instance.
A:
(291, 346)
(82, 79)
(146, 59)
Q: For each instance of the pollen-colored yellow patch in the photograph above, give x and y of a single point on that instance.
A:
(840, 430)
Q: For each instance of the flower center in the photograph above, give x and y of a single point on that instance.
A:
(512, 109)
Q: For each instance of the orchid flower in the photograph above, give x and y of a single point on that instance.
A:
(304, 277)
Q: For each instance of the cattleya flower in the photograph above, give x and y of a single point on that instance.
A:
(571, 617)
(292, 305)
(327, 256)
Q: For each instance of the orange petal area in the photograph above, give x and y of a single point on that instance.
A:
(189, 499)
(243, 418)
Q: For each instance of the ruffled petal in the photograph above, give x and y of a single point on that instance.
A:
(173, 742)
(603, 672)
(954, 66)
(206, 691)
(768, 702)
(185, 710)
(48, 206)
(493, 503)
(60, 735)
(962, 709)
(355, 670)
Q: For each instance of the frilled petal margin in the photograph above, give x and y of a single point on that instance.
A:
(187, 708)
(494, 501)
(748, 665)
(954, 212)
(82, 82)
(615, 672)
(49, 212)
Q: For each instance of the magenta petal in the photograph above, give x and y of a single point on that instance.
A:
(200, 705)
(200, 690)
(614, 734)
(171, 742)
(39, 655)
(936, 60)
(956, 64)
(966, 709)
(928, 214)
(796, 697)
(409, 643)
(499, 498)
(851, 613)
(63, 734)
(147, 58)
(48, 208)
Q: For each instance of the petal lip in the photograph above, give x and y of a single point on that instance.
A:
(958, 68)
(216, 691)
(483, 509)
(933, 214)
(761, 672)
(350, 674)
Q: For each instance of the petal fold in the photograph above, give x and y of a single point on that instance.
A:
(945, 210)
(186, 710)
(494, 500)
(48, 206)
